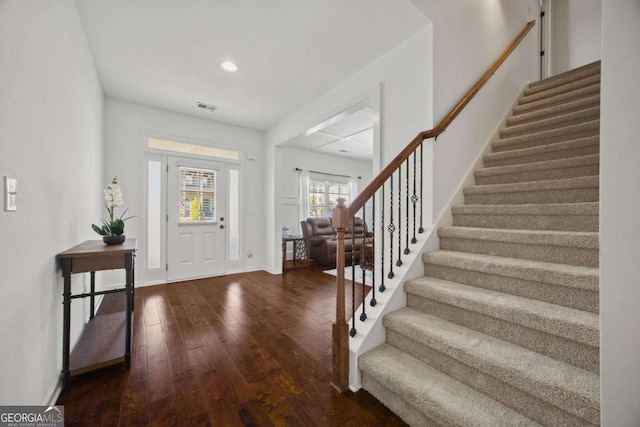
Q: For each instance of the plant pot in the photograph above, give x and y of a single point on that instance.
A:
(114, 240)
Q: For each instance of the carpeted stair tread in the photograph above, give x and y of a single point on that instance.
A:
(562, 98)
(573, 276)
(540, 171)
(558, 216)
(534, 237)
(573, 389)
(567, 87)
(561, 284)
(566, 133)
(555, 122)
(554, 110)
(527, 327)
(552, 191)
(559, 150)
(556, 184)
(575, 325)
(562, 78)
(440, 397)
(409, 414)
(566, 247)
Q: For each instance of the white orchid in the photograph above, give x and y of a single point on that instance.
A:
(113, 194)
(112, 226)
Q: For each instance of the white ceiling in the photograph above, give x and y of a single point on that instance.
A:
(351, 135)
(167, 53)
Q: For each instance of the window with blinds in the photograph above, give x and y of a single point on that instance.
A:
(197, 195)
(323, 195)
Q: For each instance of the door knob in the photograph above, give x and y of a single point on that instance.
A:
(221, 219)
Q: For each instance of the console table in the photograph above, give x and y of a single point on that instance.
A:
(106, 340)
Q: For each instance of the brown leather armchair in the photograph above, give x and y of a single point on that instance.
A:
(322, 239)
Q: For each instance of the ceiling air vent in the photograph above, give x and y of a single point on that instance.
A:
(207, 107)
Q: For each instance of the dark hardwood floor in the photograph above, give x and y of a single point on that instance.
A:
(250, 349)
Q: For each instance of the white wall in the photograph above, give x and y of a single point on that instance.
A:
(575, 33)
(467, 38)
(127, 126)
(619, 208)
(51, 141)
(310, 161)
(404, 75)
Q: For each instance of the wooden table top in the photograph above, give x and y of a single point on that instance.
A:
(94, 247)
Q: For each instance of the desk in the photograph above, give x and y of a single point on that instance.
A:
(300, 252)
(106, 340)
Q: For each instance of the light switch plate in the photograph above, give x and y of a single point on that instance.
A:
(10, 193)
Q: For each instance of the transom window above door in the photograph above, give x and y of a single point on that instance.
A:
(200, 150)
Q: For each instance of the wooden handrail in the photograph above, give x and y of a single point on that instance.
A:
(343, 214)
(382, 177)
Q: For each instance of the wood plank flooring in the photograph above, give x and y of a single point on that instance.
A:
(250, 349)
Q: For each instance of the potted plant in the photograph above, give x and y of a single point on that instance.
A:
(112, 230)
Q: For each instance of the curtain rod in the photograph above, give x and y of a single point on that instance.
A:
(330, 174)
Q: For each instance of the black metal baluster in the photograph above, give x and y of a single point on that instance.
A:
(392, 229)
(406, 208)
(421, 230)
(399, 261)
(353, 331)
(363, 253)
(373, 251)
(382, 231)
(414, 198)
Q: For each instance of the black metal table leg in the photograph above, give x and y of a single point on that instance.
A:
(128, 265)
(66, 320)
(92, 300)
(133, 282)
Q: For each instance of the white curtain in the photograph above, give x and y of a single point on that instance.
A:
(353, 188)
(303, 187)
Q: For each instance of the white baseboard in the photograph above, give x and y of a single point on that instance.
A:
(54, 391)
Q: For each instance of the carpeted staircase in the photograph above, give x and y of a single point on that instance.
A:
(503, 329)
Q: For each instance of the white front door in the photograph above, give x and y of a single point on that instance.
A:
(196, 231)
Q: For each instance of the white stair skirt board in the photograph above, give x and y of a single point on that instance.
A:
(348, 274)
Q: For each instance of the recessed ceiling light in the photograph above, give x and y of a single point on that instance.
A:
(232, 67)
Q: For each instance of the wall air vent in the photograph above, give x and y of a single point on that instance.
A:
(207, 107)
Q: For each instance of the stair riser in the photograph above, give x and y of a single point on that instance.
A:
(564, 78)
(529, 222)
(542, 104)
(576, 151)
(584, 130)
(560, 109)
(571, 195)
(563, 349)
(556, 122)
(407, 412)
(543, 412)
(555, 294)
(546, 253)
(559, 90)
